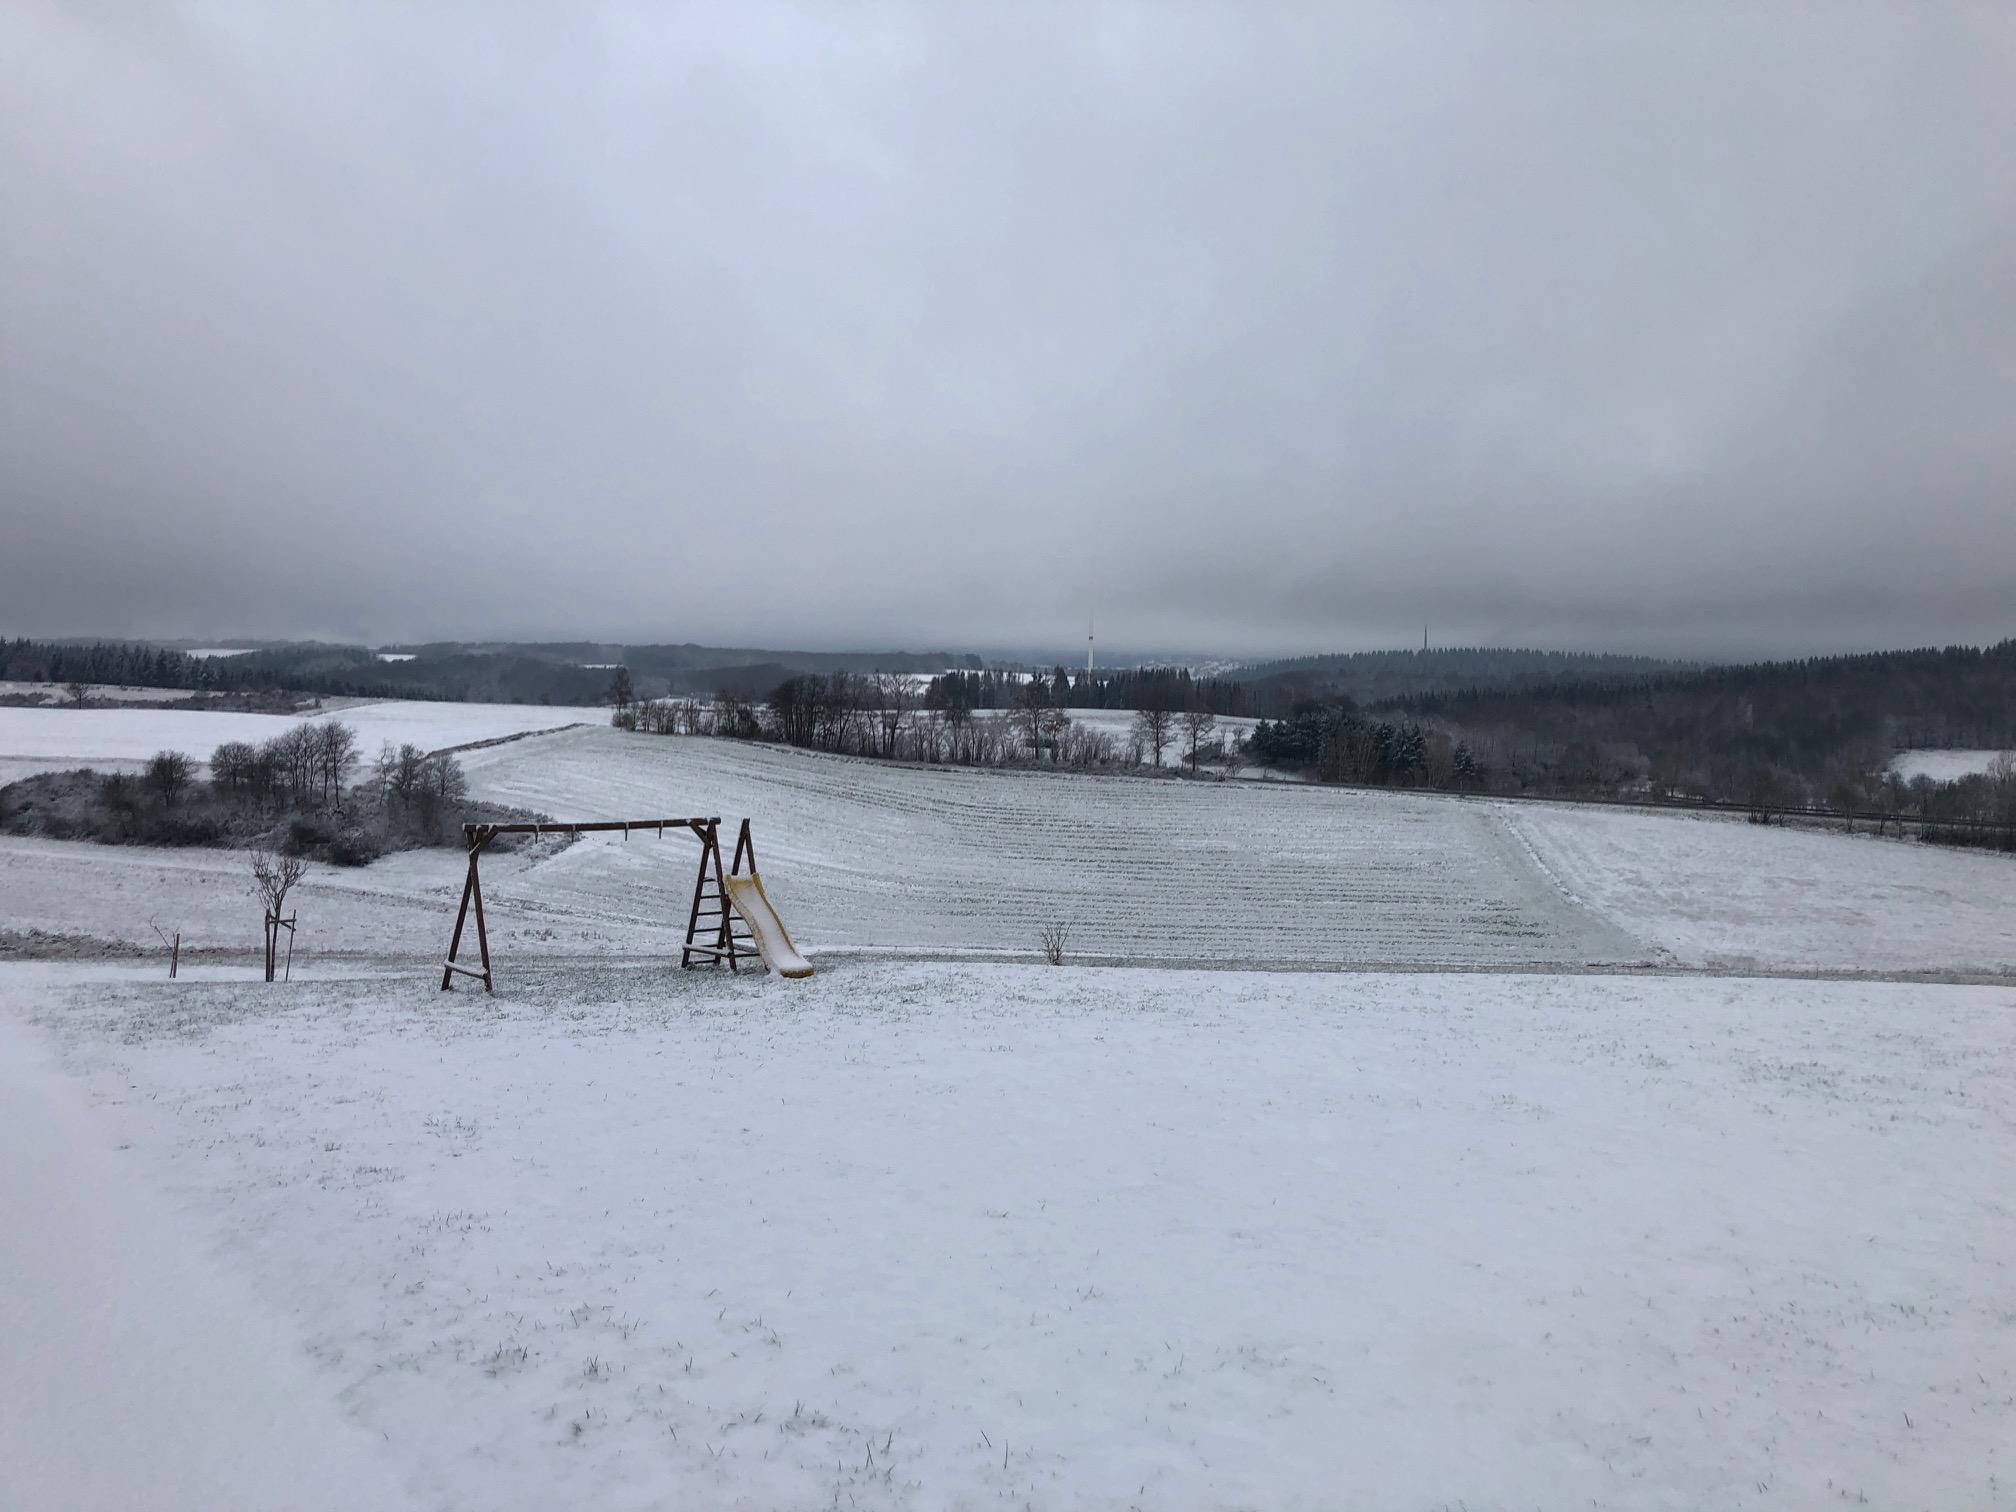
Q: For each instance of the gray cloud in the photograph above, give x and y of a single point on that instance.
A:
(1683, 329)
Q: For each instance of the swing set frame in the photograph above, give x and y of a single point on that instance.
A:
(714, 931)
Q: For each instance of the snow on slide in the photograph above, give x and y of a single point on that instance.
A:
(772, 943)
(135, 1374)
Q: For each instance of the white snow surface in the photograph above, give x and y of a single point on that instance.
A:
(34, 740)
(962, 1232)
(1717, 891)
(959, 1235)
(867, 856)
(877, 855)
(137, 1372)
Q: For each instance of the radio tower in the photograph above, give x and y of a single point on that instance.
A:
(1088, 648)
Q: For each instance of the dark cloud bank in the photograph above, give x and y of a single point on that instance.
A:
(1686, 329)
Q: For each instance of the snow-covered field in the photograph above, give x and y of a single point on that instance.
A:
(862, 856)
(1717, 891)
(41, 740)
(865, 854)
(1520, 1225)
(943, 1235)
(1944, 766)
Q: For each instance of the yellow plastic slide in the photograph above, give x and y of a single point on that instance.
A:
(772, 943)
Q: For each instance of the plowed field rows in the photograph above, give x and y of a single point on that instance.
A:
(867, 855)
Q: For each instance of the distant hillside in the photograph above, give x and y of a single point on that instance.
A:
(561, 673)
(1371, 676)
(1809, 722)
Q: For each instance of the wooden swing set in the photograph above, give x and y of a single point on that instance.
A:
(718, 927)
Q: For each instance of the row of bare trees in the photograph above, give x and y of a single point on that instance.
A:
(305, 767)
(901, 718)
(1157, 728)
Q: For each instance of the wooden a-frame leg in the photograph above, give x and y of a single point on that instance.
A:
(699, 892)
(461, 915)
(725, 939)
(482, 936)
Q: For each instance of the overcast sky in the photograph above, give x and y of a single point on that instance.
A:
(1670, 328)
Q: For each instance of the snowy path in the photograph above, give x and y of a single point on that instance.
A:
(136, 1372)
(940, 1236)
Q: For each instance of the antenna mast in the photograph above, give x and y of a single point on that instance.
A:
(1088, 645)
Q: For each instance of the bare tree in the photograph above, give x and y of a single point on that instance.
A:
(295, 760)
(335, 753)
(1053, 937)
(1032, 701)
(1235, 750)
(168, 777)
(397, 773)
(1154, 728)
(233, 766)
(1197, 724)
(78, 691)
(622, 690)
(442, 789)
(273, 877)
(1051, 727)
(894, 699)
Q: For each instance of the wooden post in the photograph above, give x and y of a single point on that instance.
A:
(478, 836)
(724, 942)
(482, 935)
(175, 955)
(461, 914)
(707, 847)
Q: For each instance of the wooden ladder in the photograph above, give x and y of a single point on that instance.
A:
(712, 913)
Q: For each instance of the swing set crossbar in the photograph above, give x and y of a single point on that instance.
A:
(471, 831)
(713, 930)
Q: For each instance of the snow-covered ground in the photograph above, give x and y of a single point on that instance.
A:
(1717, 891)
(871, 857)
(917, 1235)
(956, 1231)
(39, 740)
(136, 1372)
(868, 854)
(1943, 766)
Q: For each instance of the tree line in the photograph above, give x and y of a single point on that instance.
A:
(1814, 736)
(894, 717)
(324, 671)
(1166, 688)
